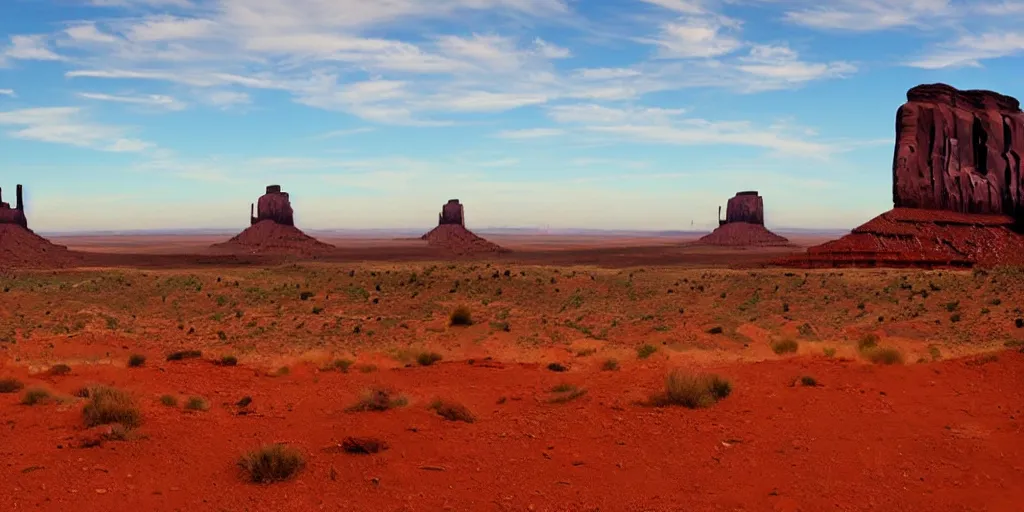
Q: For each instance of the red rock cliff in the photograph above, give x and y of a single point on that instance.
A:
(745, 207)
(959, 151)
(274, 205)
(451, 213)
(14, 215)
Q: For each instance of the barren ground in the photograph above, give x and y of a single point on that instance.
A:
(939, 432)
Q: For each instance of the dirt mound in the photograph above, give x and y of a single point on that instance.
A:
(912, 237)
(269, 237)
(21, 247)
(459, 240)
(743, 234)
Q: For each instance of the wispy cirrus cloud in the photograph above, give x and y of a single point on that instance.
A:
(158, 101)
(68, 125)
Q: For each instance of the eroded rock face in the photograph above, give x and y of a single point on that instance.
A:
(745, 207)
(275, 206)
(451, 213)
(14, 215)
(959, 151)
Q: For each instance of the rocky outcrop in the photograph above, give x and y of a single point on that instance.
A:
(959, 151)
(744, 207)
(274, 206)
(451, 213)
(743, 225)
(14, 215)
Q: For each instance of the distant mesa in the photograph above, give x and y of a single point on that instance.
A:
(958, 187)
(20, 246)
(743, 225)
(452, 236)
(272, 230)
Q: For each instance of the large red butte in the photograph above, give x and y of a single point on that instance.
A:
(14, 215)
(274, 205)
(958, 188)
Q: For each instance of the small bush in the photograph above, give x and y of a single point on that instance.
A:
(10, 385)
(35, 396)
(610, 365)
(228, 361)
(646, 351)
(342, 365)
(306, 295)
(867, 342)
(169, 400)
(955, 317)
(829, 352)
(363, 445)
(884, 355)
(245, 401)
(557, 367)
(934, 352)
(452, 411)
(566, 393)
(59, 369)
(136, 360)
(809, 381)
(715, 330)
(271, 463)
(786, 346)
(586, 352)
(197, 403)
(692, 390)
(378, 399)
(111, 405)
(461, 316)
(185, 354)
(428, 358)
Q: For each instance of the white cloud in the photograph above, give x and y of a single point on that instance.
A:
(149, 100)
(29, 47)
(605, 73)
(599, 114)
(782, 64)
(225, 99)
(551, 51)
(141, 3)
(871, 15)
(343, 133)
(7, 92)
(170, 28)
(697, 37)
(65, 125)
(682, 6)
(971, 50)
(530, 133)
(89, 33)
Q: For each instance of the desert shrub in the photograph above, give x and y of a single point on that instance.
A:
(557, 367)
(35, 396)
(715, 330)
(228, 361)
(955, 317)
(692, 390)
(610, 365)
(59, 369)
(868, 341)
(461, 316)
(807, 380)
(196, 403)
(883, 355)
(428, 358)
(378, 399)
(271, 463)
(586, 352)
(169, 400)
(829, 352)
(306, 295)
(10, 385)
(786, 346)
(563, 393)
(111, 405)
(452, 411)
(185, 354)
(363, 445)
(136, 360)
(645, 351)
(934, 352)
(342, 365)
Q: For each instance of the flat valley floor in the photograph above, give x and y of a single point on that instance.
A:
(568, 342)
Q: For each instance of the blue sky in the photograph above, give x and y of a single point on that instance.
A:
(639, 114)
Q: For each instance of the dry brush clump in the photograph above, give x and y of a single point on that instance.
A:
(870, 349)
(785, 346)
(563, 393)
(428, 358)
(378, 399)
(36, 396)
(10, 385)
(461, 316)
(452, 411)
(271, 463)
(111, 406)
(692, 390)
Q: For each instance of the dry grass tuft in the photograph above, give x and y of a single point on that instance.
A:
(461, 316)
(452, 411)
(185, 354)
(35, 396)
(10, 385)
(271, 463)
(692, 390)
(883, 355)
(59, 369)
(786, 346)
(563, 393)
(378, 399)
(428, 358)
(111, 405)
(197, 403)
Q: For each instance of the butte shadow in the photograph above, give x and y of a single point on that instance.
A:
(958, 188)
(272, 231)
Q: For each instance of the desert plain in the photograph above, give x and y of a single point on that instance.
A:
(529, 380)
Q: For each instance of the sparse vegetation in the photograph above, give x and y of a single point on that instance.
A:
(557, 367)
(10, 385)
(196, 403)
(452, 411)
(809, 381)
(461, 316)
(136, 360)
(378, 399)
(185, 354)
(169, 400)
(341, 365)
(563, 393)
(692, 390)
(35, 396)
(109, 405)
(427, 358)
(645, 351)
(883, 355)
(785, 346)
(829, 352)
(271, 463)
(610, 365)
(228, 361)
(59, 369)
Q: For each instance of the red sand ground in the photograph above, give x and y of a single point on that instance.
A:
(459, 240)
(743, 234)
(20, 247)
(269, 237)
(921, 238)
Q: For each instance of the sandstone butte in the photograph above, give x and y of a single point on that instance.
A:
(452, 236)
(958, 188)
(272, 230)
(743, 224)
(20, 246)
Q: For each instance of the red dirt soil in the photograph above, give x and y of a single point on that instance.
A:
(743, 234)
(914, 237)
(269, 237)
(20, 247)
(459, 240)
(943, 436)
